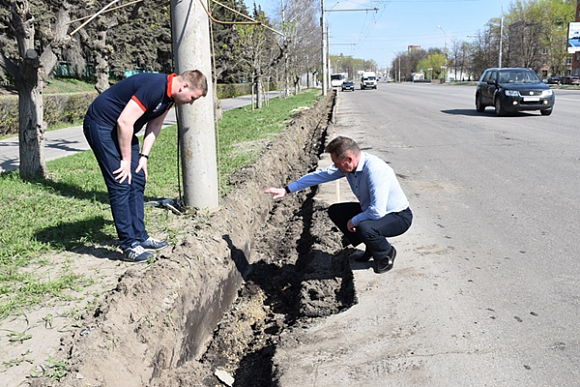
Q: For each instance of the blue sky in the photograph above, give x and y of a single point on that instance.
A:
(399, 23)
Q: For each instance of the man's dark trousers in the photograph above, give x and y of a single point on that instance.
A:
(372, 233)
(127, 200)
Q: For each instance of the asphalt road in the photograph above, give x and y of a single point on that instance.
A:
(485, 290)
(64, 142)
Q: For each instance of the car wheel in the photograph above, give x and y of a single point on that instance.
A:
(499, 110)
(478, 105)
(546, 112)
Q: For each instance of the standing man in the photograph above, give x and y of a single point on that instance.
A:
(110, 126)
(382, 211)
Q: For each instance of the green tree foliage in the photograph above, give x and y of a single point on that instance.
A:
(534, 35)
(142, 39)
(435, 62)
(554, 18)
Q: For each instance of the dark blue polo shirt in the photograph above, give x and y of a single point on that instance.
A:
(152, 92)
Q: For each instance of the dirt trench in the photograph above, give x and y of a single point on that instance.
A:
(221, 299)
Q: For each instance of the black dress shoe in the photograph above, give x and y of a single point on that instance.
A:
(365, 257)
(386, 264)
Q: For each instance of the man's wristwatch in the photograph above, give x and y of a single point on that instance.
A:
(287, 189)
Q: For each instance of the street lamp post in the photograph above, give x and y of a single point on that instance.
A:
(397, 56)
(445, 53)
(500, 36)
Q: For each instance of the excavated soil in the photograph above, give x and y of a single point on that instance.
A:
(211, 311)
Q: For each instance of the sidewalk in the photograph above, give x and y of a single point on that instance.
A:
(64, 142)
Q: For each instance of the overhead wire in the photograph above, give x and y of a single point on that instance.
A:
(209, 14)
(369, 22)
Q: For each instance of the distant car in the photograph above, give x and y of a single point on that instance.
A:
(513, 90)
(347, 85)
(554, 81)
(571, 80)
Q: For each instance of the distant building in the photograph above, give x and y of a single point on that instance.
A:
(413, 48)
(575, 60)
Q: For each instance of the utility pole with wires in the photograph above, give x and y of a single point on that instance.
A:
(196, 125)
(326, 43)
(324, 60)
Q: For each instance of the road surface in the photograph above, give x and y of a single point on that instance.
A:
(485, 290)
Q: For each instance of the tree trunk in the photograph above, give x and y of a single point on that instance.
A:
(29, 84)
(29, 80)
(259, 91)
(101, 59)
(31, 119)
(296, 85)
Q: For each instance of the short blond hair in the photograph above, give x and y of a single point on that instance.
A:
(196, 80)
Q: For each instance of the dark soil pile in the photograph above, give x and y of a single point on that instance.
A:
(221, 298)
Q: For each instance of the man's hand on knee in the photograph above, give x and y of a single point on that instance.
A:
(351, 227)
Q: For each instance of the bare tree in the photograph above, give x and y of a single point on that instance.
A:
(258, 48)
(483, 54)
(302, 31)
(460, 58)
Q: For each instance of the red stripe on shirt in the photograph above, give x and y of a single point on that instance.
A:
(139, 103)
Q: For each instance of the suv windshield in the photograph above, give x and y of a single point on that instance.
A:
(518, 76)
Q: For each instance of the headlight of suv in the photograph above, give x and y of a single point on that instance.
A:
(512, 93)
(547, 93)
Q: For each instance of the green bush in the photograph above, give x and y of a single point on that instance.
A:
(8, 115)
(58, 108)
(67, 108)
(232, 90)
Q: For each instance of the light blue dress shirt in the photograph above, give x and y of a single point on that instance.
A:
(373, 182)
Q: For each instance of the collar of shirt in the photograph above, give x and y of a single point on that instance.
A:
(361, 164)
(170, 78)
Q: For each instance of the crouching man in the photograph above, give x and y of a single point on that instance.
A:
(382, 211)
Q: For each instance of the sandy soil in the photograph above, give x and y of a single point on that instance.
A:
(211, 308)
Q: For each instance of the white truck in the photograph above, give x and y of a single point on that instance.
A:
(368, 80)
(336, 80)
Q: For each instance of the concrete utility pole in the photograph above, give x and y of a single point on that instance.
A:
(326, 50)
(191, 47)
(324, 61)
(445, 65)
(328, 84)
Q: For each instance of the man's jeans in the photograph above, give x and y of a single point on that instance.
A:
(372, 233)
(127, 200)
